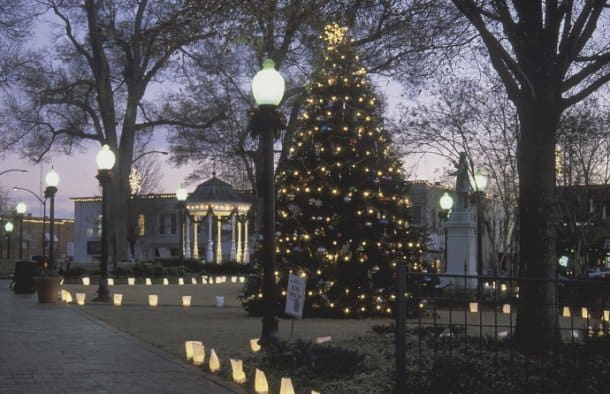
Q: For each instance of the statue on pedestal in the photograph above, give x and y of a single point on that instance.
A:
(462, 185)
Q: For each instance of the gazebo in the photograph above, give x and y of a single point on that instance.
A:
(216, 201)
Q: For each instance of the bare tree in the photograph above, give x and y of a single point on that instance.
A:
(549, 55)
(583, 144)
(220, 71)
(470, 114)
(583, 159)
(91, 84)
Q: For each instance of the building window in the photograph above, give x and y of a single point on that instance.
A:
(416, 215)
(168, 224)
(173, 226)
(162, 224)
(140, 225)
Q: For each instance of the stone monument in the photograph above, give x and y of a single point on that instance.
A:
(461, 226)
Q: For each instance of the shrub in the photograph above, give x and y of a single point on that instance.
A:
(229, 268)
(123, 271)
(319, 361)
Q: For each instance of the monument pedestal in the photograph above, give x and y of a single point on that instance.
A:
(461, 229)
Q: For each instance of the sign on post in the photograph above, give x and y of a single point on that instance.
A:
(295, 296)
(70, 249)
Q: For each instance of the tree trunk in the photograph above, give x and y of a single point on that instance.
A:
(121, 207)
(537, 324)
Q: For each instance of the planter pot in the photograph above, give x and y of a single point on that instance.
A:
(47, 288)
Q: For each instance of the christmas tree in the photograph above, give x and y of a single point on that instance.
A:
(341, 202)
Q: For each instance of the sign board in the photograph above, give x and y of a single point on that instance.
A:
(606, 244)
(70, 249)
(295, 296)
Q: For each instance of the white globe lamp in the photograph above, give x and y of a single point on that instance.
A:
(446, 202)
(268, 85)
(52, 178)
(181, 194)
(105, 158)
(21, 208)
(480, 182)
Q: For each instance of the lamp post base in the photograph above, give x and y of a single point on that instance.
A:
(103, 295)
(270, 334)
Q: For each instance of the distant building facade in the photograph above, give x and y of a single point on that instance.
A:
(495, 227)
(33, 236)
(584, 231)
(214, 231)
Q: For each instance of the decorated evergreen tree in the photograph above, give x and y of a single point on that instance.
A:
(341, 202)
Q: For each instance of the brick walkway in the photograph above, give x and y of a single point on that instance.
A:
(58, 349)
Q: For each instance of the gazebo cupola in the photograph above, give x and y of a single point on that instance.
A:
(216, 200)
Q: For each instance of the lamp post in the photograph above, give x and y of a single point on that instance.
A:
(44, 212)
(446, 203)
(268, 89)
(52, 180)
(8, 228)
(105, 161)
(478, 185)
(21, 209)
(181, 195)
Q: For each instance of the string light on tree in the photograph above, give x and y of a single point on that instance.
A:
(341, 207)
(135, 181)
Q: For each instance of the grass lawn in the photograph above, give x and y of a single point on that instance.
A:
(229, 329)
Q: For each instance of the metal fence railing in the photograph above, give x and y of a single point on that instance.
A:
(473, 318)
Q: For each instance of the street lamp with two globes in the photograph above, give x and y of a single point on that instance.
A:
(446, 203)
(479, 184)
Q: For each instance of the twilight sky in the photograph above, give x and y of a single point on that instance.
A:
(77, 179)
(77, 172)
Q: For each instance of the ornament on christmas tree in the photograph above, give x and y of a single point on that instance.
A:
(294, 209)
(338, 202)
(315, 202)
(334, 34)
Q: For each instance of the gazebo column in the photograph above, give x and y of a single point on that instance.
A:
(195, 240)
(187, 237)
(246, 258)
(219, 242)
(233, 247)
(240, 251)
(209, 253)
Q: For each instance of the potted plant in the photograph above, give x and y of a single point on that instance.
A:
(47, 283)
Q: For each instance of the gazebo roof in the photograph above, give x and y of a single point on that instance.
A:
(216, 193)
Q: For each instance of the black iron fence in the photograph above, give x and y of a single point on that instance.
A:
(457, 330)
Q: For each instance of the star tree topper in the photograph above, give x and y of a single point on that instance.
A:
(334, 34)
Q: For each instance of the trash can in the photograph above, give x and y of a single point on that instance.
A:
(24, 271)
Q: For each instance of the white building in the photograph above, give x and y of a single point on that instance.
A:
(217, 225)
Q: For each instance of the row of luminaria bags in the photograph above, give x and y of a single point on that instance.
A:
(117, 299)
(195, 353)
(205, 280)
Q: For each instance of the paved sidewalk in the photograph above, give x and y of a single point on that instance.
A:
(46, 348)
